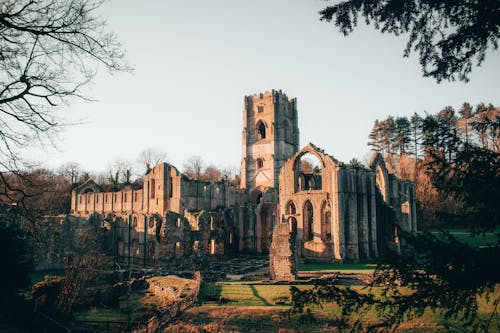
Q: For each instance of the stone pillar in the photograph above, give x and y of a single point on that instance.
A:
(339, 226)
(373, 218)
(283, 254)
(352, 244)
(241, 229)
(363, 219)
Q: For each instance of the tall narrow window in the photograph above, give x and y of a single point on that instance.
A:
(212, 246)
(308, 221)
(260, 163)
(261, 130)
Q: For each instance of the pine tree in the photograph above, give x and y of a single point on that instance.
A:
(416, 133)
(402, 134)
(375, 137)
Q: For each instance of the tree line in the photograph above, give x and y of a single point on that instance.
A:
(477, 126)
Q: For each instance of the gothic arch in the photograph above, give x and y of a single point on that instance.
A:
(290, 208)
(377, 164)
(307, 220)
(261, 130)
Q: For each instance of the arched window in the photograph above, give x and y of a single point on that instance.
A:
(290, 208)
(308, 216)
(134, 222)
(308, 173)
(261, 130)
(326, 225)
(260, 163)
(151, 222)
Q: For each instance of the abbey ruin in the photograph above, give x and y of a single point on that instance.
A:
(335, 211)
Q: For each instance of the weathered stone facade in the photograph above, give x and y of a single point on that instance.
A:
(339, 212)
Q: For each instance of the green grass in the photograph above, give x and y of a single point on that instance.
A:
(245, 294)
(366, 268)
(245, 302)
(464, 236)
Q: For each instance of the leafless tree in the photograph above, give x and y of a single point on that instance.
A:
(193, 167)
(151, 157)
(71, 171)
(49, 51)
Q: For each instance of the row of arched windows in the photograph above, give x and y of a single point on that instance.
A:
(308, 219)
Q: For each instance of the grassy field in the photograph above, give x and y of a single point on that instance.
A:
(464, 236)
(250, 307)
(311, 266)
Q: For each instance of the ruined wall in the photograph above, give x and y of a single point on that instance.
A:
(283, 253)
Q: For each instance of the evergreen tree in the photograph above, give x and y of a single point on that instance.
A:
(387, 135)
(402, 133)
(375, 137)
(416, 133)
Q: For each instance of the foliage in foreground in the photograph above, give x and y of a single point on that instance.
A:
(438, 274)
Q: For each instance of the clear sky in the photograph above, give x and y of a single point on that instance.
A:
(195, 60)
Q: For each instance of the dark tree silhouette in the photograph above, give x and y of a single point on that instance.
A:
(449, 36)
(49, 51)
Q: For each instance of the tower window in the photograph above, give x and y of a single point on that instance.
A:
(260, 109)
(261, 130)
(260, 163)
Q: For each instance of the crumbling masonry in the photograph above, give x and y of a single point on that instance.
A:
(336, 212)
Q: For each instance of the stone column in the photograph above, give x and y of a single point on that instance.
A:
(373, 218)
(352, 244)
(241, 228)
(363, 219)
(258, 226)
(339, 226)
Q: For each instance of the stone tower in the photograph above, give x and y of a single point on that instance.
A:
(270, 137)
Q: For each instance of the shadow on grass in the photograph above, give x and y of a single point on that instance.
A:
(256, 295)
(210, 292)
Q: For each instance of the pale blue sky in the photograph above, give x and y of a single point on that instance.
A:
(195, 60)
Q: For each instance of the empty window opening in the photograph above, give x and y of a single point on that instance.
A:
(261, 130)
(260, 163)
(290, 208)
(308, 221)
(309, 173)
(212, 246)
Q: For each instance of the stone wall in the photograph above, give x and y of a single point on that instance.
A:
(283, 253)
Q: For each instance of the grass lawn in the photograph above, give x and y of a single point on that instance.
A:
(464, 236)
(246, 307)
(309, 266)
